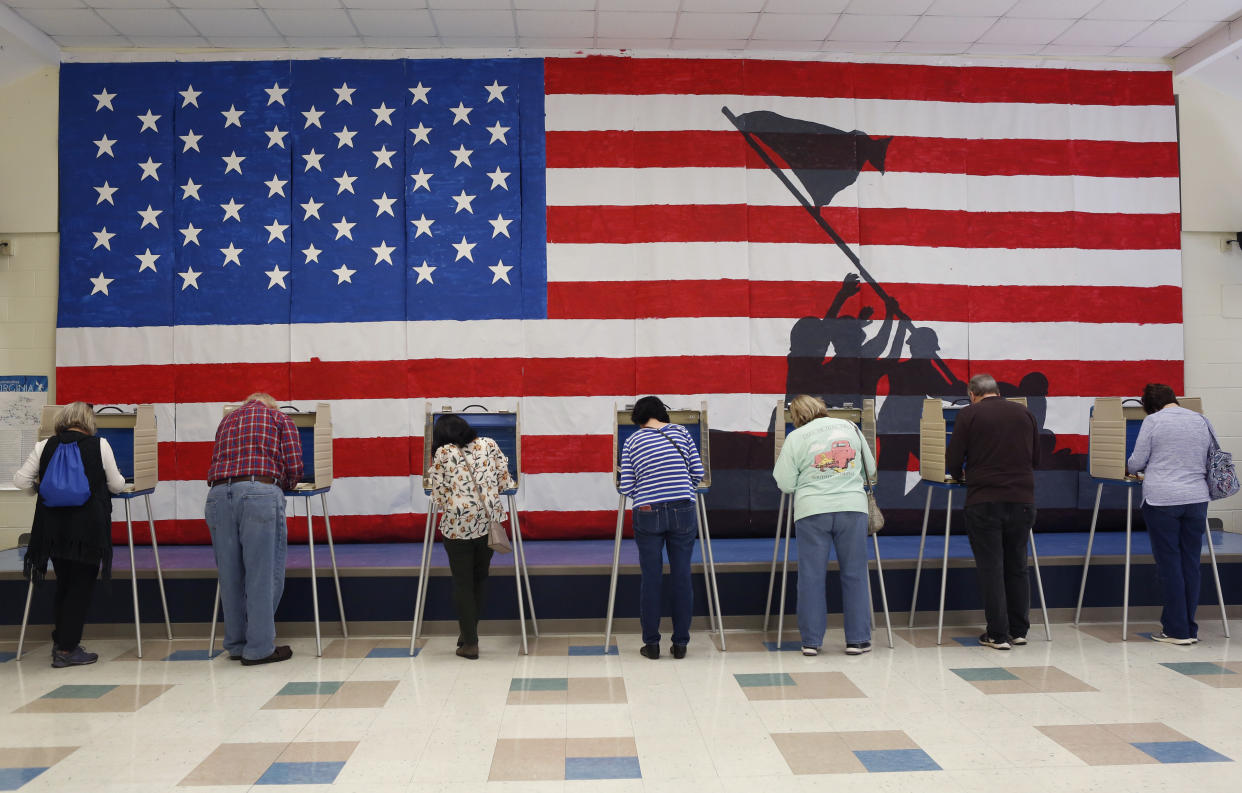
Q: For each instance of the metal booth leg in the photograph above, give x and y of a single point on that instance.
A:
(133, 571)
(944, 570)
(314, 574)
(336, 578)
(1086, 562)
(879, 573)
(519, 550)
(776, 546)
(159, 571)
(709, 560)
(707, 581)
(1039, 584)
(1220, 598)
(918, 566)
(616, 561)
(1125, 595)
(787, 520)
(215, 613)
(517, 576)
(21, 637)
(424, 568)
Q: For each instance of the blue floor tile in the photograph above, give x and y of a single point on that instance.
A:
(13, 778)
(592, 649)
(967, 641)
(393, 652)
(1181, 752)
(5, 655)
(77, 692)
(1198, 668)
(539, 684)
(764, 679)
(602, 768)
(785, 647)
(192, 655)
(301, 773)
(973, 674)
(878, 760)
(312, 687)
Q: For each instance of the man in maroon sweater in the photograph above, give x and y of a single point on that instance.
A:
(998, 441)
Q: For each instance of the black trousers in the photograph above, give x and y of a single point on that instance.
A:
(75, 582)
(998, 535)
(469, 561)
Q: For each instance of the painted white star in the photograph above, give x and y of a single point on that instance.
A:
(105, 100)
(189, 96)
(461, 154)
(312, 161)
(105, 193)
(276, 231)
(496, 91)
(276, 136)
(149, 217)
(150, 168)
(191, 141)
(420, 94)
(345, 137)
(464, 249)
(148, 120)
(146, 260)
(500, 272)
(277, 277)
(344, 182)
(344, 228)
(312, 117)
(232, 116)
(345, 94)
(189, 278)
(312, 254)
(461, 113)
(344, 274)
(232, 210)
(500, 226)
(463, 202)
(422, 179)
(190, 190)
(276, 94)
(424, 273)
(383, 156)
(101, 283)
(383, 205)
(498, 134)
(420, 134)
(233, 162)
(231, 254)
(103, 239)
(422, 226)
(499, 178)
(383, 252)
(311, 207)
(105, 146)
(276, 186)
(191, 235)
(383, 114)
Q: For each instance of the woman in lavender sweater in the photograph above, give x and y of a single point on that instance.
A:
(1172, 452)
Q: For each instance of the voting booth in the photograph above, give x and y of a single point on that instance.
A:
(695, 422)
(315, 436)
(505, 428)
(935, 432)
(1113, 428)
(135, 446)
(864, 419)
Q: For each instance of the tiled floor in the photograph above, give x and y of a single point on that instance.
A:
(1083, 712)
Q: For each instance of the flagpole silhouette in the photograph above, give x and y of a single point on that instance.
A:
(813, 211)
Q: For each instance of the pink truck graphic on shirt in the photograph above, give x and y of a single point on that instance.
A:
(838, 457)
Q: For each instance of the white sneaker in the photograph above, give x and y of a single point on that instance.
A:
(810, 651)
(1018, 641)
(995, 644)
(858, 648)
(1161, 637)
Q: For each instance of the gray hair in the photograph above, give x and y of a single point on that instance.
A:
(982, 385)
(259, 396)
(75, 416)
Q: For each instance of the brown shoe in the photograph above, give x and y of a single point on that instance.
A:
(470, 651)
(281, 653)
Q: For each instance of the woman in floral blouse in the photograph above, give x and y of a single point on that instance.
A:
(467, 476)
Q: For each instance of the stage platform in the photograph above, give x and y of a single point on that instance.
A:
(570, 583)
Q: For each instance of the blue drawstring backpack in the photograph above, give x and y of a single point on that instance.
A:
(64, 482)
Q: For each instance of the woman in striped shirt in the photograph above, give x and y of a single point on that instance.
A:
(660, 467)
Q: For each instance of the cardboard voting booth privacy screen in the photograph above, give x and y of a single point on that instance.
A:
(695, 422)
(863, 418)
(315, 435)
(502, 426)
(131, 435)
(1113, 429)
(935, 430)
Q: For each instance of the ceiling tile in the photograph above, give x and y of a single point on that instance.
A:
(806, 6)
(794, 27)
(858, 46)
(481, 42)
(853, 27)
(639, 5)
(949, 28)
(1133, 9)
(970, 8)
(297, 5)
(402, 42)
(709, 45)
(47, 4)
(323, 42)
(719, 6)
(557, 42)
(1218, 10)
(1144, 52)
(556, 23)
(67, 22)
(128, 4)
(414, 22)
(632, 43)
(1075, 49)
(1100, 32)
(1025, 31)
(887, 7)
(473, 23)
(556, 5)
(234, 22)
(170, 42)
(312, 23)
(469, 5)
(783, 45)
(149, 22)
(221, 5)
(1051, 9)
(248, 42)
(384, 5)
(932, 47)
(979, 48)
(716, 26)
(640, 24)
(1170, 34)
(91, 42)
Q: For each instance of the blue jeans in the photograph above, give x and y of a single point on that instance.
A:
(1176, 534)
(671, 524)
(249, 537)
(816, 536)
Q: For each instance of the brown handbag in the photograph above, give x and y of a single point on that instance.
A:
(875, 518)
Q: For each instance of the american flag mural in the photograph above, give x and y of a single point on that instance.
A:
(561, 235)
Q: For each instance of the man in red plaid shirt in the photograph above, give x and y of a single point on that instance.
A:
(255, 458)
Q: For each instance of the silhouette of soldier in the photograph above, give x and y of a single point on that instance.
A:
(910, 381)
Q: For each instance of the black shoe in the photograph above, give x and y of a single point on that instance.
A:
(678, 650)
(281, 653)
(470, 651)
(858, 648)
(995, 644)
(235, 657)
(651, 651)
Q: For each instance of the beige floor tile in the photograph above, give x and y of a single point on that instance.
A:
(297, 702)
(235, 764)
(121, 699)
(817, 753)
(550, 645)
(34, 756)
(1004, 686)
(1144, 732)
(317, 752)
(1111, 632)
(1076, 735)
(1049, 679)
(1220, 681)
(1112, 754)
(600, 747)
(528, 759)
(877, 739)
(362, 694)
(537, 698)
(809, 685)
(596, 690)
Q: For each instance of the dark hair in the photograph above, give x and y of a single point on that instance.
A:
(451, 429)
(648, 408)
(1156, 396)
